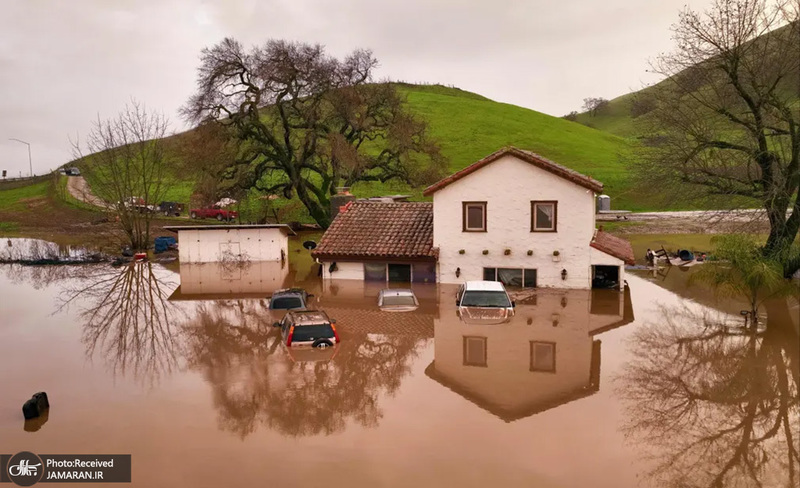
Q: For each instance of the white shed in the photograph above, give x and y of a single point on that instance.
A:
(220, 243)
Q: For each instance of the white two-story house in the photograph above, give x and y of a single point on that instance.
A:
(513, 217)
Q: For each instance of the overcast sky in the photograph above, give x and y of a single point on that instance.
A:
(64, 62)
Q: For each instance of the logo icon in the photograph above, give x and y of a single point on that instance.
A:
(25, 468)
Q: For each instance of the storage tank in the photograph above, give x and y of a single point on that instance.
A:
(341, 198)
(603, 203)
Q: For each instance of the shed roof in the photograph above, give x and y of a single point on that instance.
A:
(528, 157)
(380, 230)
(613, 246)
(178, 228)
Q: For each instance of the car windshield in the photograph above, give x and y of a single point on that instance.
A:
(285, 303)
(485, 299)
(307, 333)
(398, 300)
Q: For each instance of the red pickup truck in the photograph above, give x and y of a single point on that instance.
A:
(213, 213)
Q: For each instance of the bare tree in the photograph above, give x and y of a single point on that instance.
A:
(727, 121)
(593, 105)
(309, 122)
(127, 165)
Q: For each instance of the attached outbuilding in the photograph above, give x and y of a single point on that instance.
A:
(378, 241)
(221, 243)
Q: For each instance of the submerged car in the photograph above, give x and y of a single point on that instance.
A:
(397, 300)
(310, 328)
(289, 298)
(474, 297)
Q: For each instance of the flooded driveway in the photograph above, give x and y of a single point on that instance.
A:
(598, 389)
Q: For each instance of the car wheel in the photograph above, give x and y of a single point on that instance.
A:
(166, 213)
(220, 217)
(322, 344)
(194, 215)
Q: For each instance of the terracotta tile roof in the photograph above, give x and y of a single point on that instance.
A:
(528, 157)
(613, 246)
(378, 230)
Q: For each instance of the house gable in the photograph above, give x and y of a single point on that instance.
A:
(527, 156)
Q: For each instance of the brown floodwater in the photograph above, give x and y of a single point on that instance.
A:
(577, 389)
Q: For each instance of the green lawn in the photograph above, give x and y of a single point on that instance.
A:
(15, 199)
(8, 227)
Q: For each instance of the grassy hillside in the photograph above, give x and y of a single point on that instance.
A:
(616, 117)
(619, 118)
(469, 127)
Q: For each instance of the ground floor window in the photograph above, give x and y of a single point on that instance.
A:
(424, 272)
(375, 272)
(518, 277)
(400, 272)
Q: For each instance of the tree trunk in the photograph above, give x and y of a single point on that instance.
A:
(318, 211)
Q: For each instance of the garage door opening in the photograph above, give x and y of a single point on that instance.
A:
(605, 276)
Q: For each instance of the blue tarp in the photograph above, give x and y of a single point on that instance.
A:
(164, 243)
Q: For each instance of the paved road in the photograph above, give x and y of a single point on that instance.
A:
(79, 189)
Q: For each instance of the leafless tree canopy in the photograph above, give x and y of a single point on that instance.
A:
(727, 120)
(127, 165)
(713, 408)
(309, 122)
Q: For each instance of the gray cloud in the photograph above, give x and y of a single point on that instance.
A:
(62, 64)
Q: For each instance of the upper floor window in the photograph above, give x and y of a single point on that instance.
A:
(474, 216)
(474, 351)
(544, 216)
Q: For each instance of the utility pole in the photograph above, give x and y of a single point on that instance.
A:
(30, 161)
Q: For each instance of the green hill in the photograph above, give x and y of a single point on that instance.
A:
(468, 127)
(626, 116)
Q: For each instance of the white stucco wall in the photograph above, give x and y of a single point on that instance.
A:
(508, 185)
(210, 245)
(344, 271)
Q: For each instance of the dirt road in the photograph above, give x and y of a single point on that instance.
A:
(687, 222)
(79, 188)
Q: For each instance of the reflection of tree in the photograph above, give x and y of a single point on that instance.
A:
(718, 409)
(256, 382)
(128, 318)
(43, 276)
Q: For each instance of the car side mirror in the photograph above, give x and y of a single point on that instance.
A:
(513, 303)
(276, 324)
(310, 295)
(333, 321)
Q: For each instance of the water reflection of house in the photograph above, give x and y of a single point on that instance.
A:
(546, 356)
(216, 281)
